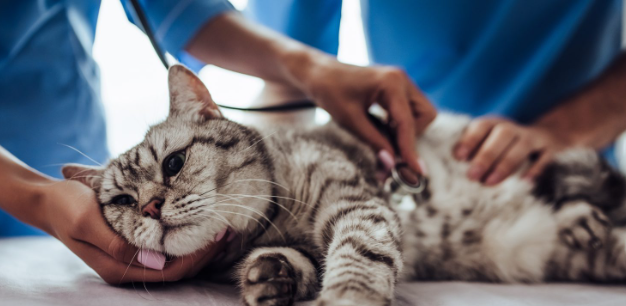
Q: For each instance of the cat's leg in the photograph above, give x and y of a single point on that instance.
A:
(582, 225)
(590, 249)
(605, 264)
(278, 276)
(361, 240)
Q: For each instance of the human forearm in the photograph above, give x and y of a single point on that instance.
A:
(22, 190)
(596, 116)
(345, 91)
(231, 42)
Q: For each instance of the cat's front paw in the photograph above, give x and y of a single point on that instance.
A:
(582, 226)
(270, 281)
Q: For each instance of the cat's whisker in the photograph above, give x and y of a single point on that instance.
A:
(243, 181)
(293, 199)
(244, 215)
(81, 153)
(245, 207)
(218, 215)
(256, 142)
(265, 181)
(85, 176)
(130, 264)
(262, 198)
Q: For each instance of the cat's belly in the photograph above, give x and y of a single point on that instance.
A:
(478, 241)
(467, 231)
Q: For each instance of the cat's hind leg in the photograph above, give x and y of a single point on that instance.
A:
(582, 225)
(605, 264)
(590, 249)
(363, 256)
(278, 276)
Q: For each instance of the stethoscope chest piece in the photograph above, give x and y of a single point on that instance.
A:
(403, 182)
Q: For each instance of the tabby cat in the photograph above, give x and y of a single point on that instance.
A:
(313, 221)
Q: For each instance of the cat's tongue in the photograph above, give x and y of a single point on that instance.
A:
(156, 261)
(219, 236)
(151, 259)
(227, 233)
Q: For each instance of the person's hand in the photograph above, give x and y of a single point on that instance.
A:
(73, 216)
(347, 92)
(496, 148)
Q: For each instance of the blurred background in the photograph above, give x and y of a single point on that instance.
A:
(134, 82)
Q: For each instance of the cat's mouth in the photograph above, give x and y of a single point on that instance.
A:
(187, 238)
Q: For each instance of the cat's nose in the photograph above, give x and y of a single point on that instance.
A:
(152, 209)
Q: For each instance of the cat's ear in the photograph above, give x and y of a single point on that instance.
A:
(189, 96)
(88, 175)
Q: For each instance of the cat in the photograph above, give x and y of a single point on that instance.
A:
(314, 222)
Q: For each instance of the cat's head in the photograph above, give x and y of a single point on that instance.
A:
(193, 175)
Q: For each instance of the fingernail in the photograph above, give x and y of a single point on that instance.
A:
(528, 178)
(220, 235)
(475, 172)
(462, 152)
(231, 236)
(493, 179)
(151, 259)
(422, 165)
(387, 160)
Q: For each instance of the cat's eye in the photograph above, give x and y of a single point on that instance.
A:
(123, 199)
(173, 163)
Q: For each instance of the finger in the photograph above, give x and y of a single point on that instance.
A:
(400, 112)
(475, 133)
(537, 168)
(514, 157)
(490, 151)
(423, 111)
(115, 272)
(111, 270)
(190, 265)
(97, 233)
(359, 124)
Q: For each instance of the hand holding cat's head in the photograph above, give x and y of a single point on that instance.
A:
(194, 175)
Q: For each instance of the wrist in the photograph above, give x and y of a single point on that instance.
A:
(558, 136)
(25, 199)
(302, 64)
(40, 195)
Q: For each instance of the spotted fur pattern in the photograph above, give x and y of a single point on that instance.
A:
(314, 223)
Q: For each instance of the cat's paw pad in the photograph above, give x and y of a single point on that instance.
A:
(270, 281)
(583, 226)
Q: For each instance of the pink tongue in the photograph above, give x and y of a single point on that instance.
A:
(221, 235)
(151, 259)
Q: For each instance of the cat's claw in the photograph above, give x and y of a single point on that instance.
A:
(270, 281)
(582, 226)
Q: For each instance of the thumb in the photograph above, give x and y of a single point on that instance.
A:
(101, 236)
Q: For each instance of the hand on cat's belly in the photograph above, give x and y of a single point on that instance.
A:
(496, 148)
(73, 216)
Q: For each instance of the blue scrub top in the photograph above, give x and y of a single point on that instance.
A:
(515, 58)
(50, 83)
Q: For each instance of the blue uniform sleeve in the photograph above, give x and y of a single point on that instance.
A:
(313, 22)
(174, 23)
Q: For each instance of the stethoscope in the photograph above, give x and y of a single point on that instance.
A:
(401, 183)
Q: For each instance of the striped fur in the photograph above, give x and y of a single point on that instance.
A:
(314, 223)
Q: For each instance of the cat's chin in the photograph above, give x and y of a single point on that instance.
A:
(184, 240)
